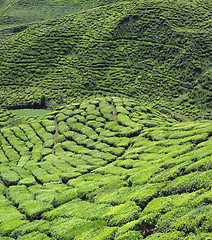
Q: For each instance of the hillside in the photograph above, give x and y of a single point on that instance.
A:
(105, 120)
(106, 168)
(17, 15)
(156, 51)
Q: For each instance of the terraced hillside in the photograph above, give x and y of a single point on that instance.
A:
(19, 14)
(106, 168)
(156, 51)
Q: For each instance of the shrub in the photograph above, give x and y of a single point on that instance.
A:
(10, 178)
(33, 226)
(175, 235)
(61, 117)
(122, 214)
(77, 137)
(28, 181)
(95, 124)
(46, 151)
(62, 127)
(64, 197)
(201, 165)
(132, 235)
(6, 238)
(10, 212)
(48, 178)
(19, 194)
(71, 228)
(8, 226)
(189, 183)
(34, 236)
(46, 195)
(33, 208)
(77, 209)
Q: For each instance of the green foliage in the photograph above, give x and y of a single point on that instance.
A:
(34, 226)
(35, 236)
(106, 175)
(33, 209)
(175, 235)
(65, 196)
(9, 225)
(134, 235)
(122, 214)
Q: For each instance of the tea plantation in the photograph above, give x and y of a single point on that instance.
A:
(106, 168)
(155, 51)
(105, 120)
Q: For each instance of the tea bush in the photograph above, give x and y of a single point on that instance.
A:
(34, 208)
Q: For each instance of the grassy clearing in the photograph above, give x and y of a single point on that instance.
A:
(30, 112)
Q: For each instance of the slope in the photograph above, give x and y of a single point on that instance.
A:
(156, 51)
(106, 168)
(16, 15)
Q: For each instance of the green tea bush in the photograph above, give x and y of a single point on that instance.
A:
(192, 220)
(34, 226)
(10, 213)
(10, 178)
(77, 209)
(60, 138)
(19, 194)
(175, 235)
(80, 118)
(28, 181)
(62, 127)
(106, 110)
(118, 141)
(33, 208)
(77, 137)
(64, 197)
(6, 238)
(61, 117)
(202, 165)
(94, 124)
(47, 195)
(71, 228)
(34, 236)
(8, 226)
(189, 183)
(134, 235)
(46, 151)
(19, 133)
(122, 214)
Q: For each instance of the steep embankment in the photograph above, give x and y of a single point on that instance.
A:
(158, 51)
(106, 168)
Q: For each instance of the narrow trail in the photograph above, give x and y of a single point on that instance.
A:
(114, 114)
(55, 135)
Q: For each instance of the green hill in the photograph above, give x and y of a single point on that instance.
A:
(156, 51)
(106, 168)
(122, 147)
(16, 15)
